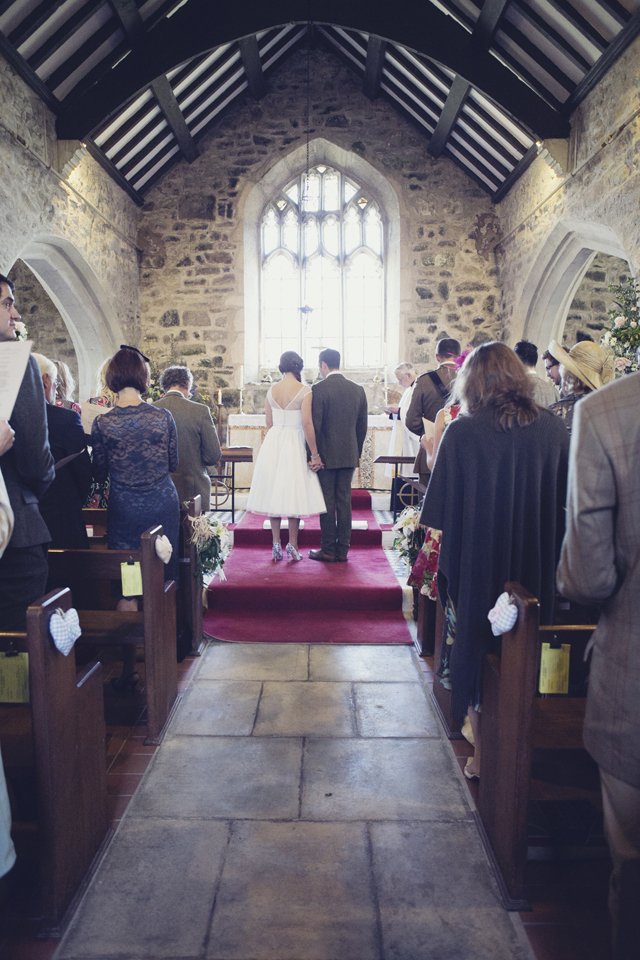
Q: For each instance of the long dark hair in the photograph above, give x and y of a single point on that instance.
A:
(493, 376)
(290, 362)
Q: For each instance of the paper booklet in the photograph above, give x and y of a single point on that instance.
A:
(89, 412)
(429, 427)
(14, 356)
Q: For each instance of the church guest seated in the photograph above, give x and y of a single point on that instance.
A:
(497, 492)
(584, 368)
(136, 445)
(61, 505)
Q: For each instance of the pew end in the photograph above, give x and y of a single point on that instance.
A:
(189, 597)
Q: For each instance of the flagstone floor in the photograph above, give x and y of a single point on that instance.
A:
(303, 806)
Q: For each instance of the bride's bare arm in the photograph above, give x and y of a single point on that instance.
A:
(268, 413)
(309, 432)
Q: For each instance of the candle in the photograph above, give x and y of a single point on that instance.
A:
(219, 398)
(242, 376)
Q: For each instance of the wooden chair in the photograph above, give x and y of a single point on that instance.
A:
(60, 740)
(189, 584)
(515, 721)
(154, 625)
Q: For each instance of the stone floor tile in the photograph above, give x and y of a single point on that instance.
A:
(295, 890)
(254, 777)
(218, 708)
(394, 710)
(255, 661)
(437, 899)
(306, 709)
(365, 663)
(151, 897)
(380, 780)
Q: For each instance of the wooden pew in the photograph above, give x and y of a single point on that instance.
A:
(61, 735)
(154, 625)
(189, 585)
(515, 721)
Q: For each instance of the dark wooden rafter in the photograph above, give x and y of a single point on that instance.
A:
(516, 173)
(36, 19)
(376, 50)
(571, 15)
(113, 172)
(165, 96)
(541, 60)
(600, 68)
(253, 66)
(414, 24)
(29, 76)
(64, 33)
(552, 37)
(82, 54)
(133, 25)
(449, 117)
(487, 23)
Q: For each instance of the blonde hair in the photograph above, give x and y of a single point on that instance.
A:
(103, 389)
(66, 383)
(493, 376)
(46, 366)
(573, 384)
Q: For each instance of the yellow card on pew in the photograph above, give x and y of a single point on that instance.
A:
(554, 669)
(14, 678)
(131, 579)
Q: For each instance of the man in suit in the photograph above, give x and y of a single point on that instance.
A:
(198, 444)
(61, 505)
(544, 393)
(27, 468)
(430, 394)
(339, 412)
(600, 564)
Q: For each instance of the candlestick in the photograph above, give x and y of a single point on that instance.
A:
(242, 376)
(219, 398)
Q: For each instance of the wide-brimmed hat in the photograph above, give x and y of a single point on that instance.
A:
(587, 361)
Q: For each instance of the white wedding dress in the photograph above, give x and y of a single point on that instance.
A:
(283, 485)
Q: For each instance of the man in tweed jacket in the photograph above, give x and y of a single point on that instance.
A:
(339, 412)
(600, 563)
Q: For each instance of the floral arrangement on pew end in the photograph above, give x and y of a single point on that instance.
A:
(623, 335)
(409, 535)
(213, 544)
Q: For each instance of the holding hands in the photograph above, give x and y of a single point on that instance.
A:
(315, 463)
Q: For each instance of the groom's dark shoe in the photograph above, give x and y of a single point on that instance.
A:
(342, 558)
(323, 557)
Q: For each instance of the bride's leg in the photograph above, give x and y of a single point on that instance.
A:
(294, 527)
(275, 529)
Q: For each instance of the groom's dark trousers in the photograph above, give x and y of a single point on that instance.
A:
(335, 524)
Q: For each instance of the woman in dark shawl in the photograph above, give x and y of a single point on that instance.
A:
(497, 492)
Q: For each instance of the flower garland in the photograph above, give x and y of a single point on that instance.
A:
(409, 534)
(213, 543)
(623, 335)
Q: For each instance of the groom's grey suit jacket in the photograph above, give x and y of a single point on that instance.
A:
(198, 447)
(339, 412)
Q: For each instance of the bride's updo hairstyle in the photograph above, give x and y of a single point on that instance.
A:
(290, 362)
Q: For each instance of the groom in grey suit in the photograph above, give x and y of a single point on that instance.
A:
(198, 444)
(339, 412)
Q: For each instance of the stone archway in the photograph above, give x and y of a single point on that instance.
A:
(560, 266)
(85, 308)
(320, 151)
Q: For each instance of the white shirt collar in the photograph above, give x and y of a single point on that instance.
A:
(331, 372)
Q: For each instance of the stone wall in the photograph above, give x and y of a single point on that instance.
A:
(588, 310)
(46, 327)
(77, 234)
(191, 229)
(594, 207)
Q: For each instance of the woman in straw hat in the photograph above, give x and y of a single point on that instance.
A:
(584, 368)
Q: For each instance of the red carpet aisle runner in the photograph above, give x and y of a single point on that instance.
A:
(307, 602)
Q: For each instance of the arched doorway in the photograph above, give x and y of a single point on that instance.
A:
(557, 274)
(79, 297)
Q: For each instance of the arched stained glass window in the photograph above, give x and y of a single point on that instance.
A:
(322, 271)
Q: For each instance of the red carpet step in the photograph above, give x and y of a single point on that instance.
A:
(307, 602)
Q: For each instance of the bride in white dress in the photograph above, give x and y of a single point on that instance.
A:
(284, 484)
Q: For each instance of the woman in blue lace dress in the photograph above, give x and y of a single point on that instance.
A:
(136, 445)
